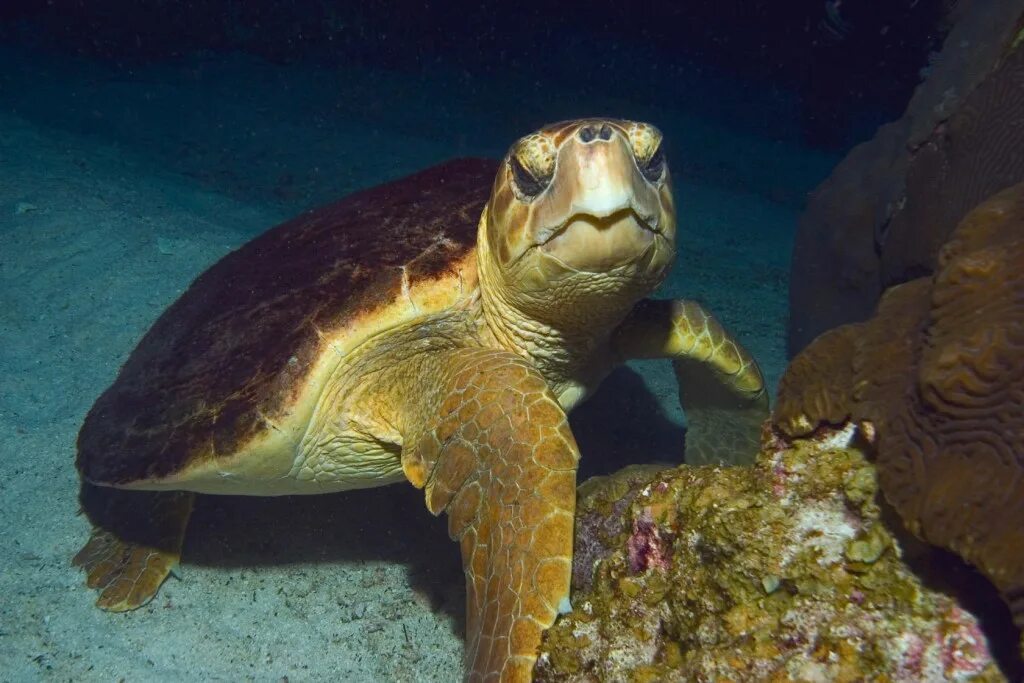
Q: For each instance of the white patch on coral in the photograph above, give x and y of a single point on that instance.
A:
(628, 650)
(839, 439)
(587, 629)
(812, 672)
(823, 527)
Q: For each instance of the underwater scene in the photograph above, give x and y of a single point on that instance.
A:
(567, 342)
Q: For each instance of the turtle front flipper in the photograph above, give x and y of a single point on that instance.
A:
(721, 387)
(494, 450)
(135, 543)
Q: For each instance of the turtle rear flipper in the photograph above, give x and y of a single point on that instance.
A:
(136, 542)
(496, 453)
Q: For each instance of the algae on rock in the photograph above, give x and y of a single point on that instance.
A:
(781, 571)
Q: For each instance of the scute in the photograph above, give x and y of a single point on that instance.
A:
(232, 355)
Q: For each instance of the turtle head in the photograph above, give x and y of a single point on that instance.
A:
(580, 222)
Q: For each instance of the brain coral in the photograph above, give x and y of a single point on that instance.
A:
(885, 211)
(939, 373)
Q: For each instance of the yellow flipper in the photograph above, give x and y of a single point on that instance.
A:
(135, 543)
(721, 387)
(496, 453)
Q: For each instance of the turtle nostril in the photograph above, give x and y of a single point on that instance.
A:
(591, 132)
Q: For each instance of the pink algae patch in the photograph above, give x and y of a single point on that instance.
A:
(964, 649)
(646, 547)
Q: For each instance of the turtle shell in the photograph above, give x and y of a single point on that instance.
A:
(249, 343)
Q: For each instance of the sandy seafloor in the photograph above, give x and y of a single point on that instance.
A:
(118, 186)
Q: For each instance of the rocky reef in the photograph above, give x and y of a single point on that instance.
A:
(884, 212)
(781, 571)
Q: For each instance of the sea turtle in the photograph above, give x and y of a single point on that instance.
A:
(434, 329)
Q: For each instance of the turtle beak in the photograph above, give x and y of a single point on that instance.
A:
(600, 212)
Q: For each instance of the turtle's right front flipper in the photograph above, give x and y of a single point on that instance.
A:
(492, 447)
(135, 543)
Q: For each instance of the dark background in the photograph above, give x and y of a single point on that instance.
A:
(850, 73)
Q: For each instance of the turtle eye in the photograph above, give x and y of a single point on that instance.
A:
(654, 167)
(525, 181)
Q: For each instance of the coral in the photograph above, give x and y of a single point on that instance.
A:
(815, 386)
(884, 212)
(938, 372)
(781, 571)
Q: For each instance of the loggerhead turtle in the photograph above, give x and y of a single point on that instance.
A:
(434, 329)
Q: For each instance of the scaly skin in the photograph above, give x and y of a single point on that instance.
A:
(494, 450)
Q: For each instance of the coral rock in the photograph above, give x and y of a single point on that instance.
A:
(781, 571)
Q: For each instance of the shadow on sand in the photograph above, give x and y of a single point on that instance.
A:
(621, 424)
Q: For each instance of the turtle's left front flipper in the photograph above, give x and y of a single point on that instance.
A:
(720, 385)
(492, 447)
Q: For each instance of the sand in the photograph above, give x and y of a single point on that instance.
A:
(119, 185)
